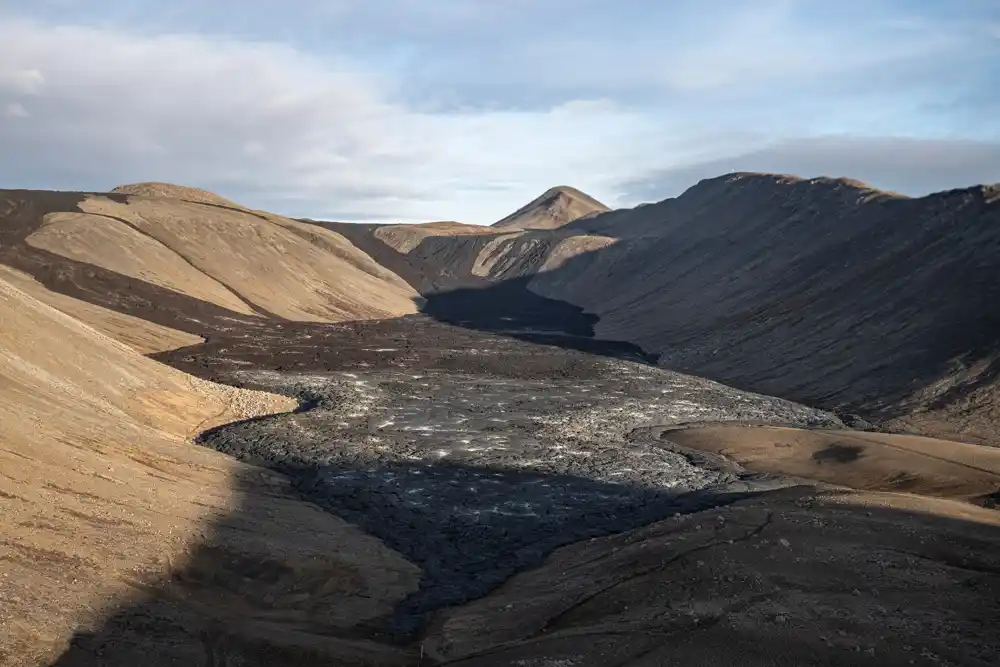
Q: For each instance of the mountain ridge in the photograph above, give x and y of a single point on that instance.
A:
(731, 280)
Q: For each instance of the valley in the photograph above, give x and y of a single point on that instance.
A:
(540, 443)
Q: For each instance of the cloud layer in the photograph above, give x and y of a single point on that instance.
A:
(908, 166)
(464, 110)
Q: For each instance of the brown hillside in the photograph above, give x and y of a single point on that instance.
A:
(171, 191)
(857, 459)
(103, 498)
(405, 238)
(141, 335)
(554, 208)
(236, 261)
(474, 455)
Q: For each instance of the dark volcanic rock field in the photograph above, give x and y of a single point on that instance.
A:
(475, 454)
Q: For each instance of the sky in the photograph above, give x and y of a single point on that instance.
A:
(415, 110)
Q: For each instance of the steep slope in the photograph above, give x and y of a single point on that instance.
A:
(141, 335)
(103, 499)
(554, 208)
(433, 259)
(184, 263)
(121, 543)
(405, 238)
(820, 290)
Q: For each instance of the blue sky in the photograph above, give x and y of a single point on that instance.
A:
(406, 110)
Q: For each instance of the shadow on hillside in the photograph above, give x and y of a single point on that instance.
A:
(234, 602)
(511, 309)
(840, 327)
(229, 606)
(103, 287)
(469, 528)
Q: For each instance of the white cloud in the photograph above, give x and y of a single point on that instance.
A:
(541, 102)
(291, 131)
(21, 81)
(15, 110)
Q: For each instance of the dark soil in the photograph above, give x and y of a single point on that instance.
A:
(474, 454)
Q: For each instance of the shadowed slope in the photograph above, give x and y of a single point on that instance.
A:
(819, 291)
(822, 290)
(104, 500)
(795, 577)
(141, 335)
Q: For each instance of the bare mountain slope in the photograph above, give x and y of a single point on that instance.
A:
(137, 254)
(103, 499)
(405, 238)
(172, 191)
(820, 290)
(474, 454)
(554, 208)
(797, 577)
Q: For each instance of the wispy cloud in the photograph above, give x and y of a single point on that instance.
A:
(398, 109)
(292, 131)
(908, 166)
(15, 110)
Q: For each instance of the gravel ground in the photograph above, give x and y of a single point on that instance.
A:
(476, 455)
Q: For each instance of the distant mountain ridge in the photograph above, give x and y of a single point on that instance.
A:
(554, 208)
(822, 290)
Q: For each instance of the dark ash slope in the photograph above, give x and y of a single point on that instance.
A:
(823, 291)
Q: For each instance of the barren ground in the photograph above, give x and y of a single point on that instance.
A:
(483, 484)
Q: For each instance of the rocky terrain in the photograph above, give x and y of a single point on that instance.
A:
(475, 455)
(824, 291)
(305, 470)
(104, 502)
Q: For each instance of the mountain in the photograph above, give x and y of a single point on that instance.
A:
(103, 496)
(822, 290)
(554, 208)
(227, 435)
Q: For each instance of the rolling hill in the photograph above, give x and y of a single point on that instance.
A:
(138, 254)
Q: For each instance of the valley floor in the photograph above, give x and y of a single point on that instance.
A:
(500, 493)
(476, 455)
